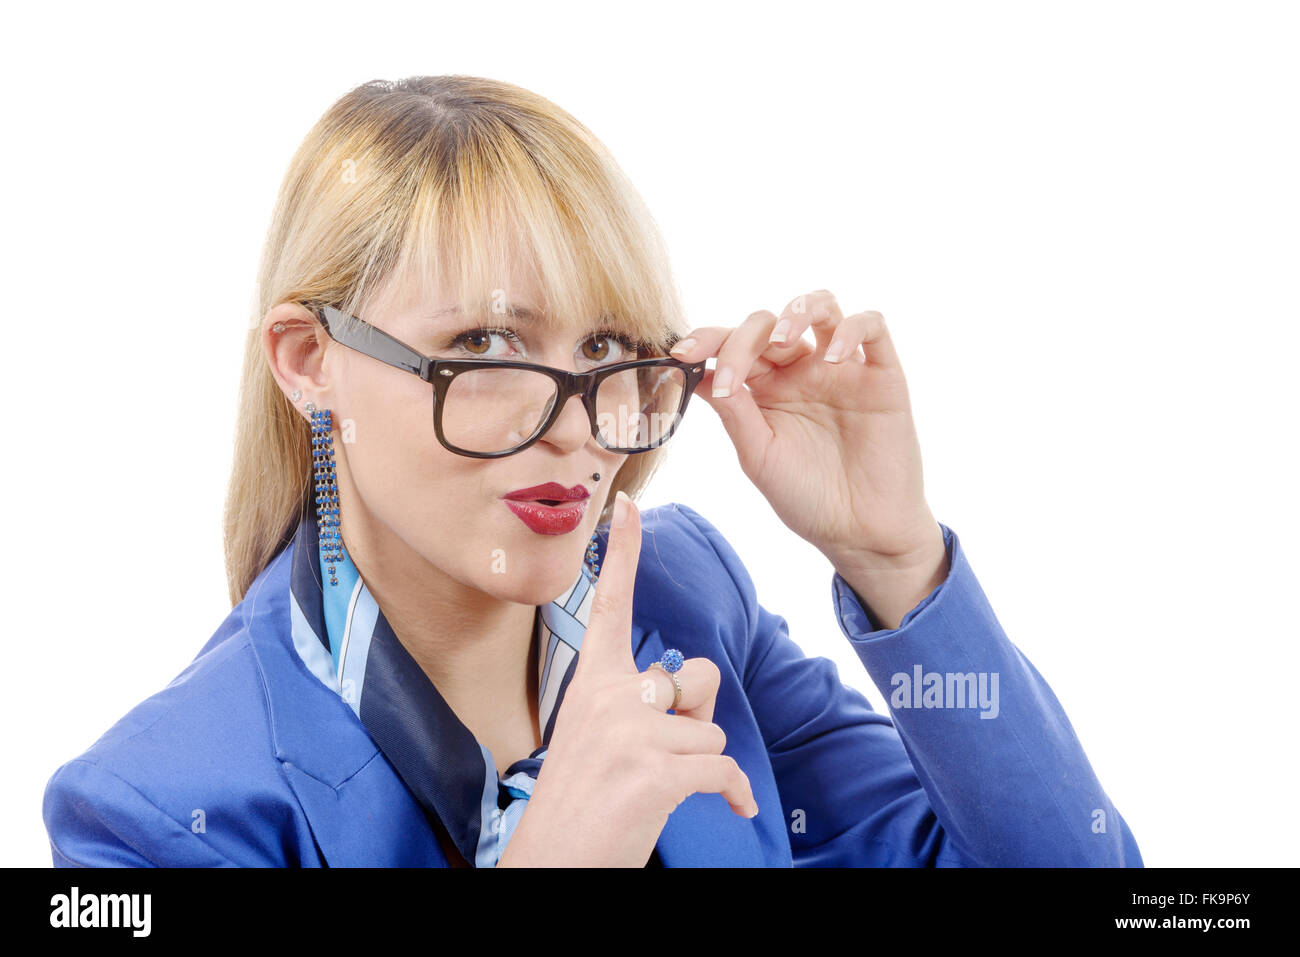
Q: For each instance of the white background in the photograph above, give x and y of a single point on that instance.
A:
(1079, 220)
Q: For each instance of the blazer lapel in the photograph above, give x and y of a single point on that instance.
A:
(360, 812)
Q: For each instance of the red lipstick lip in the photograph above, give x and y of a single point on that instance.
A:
(549, 519)
(550, 490)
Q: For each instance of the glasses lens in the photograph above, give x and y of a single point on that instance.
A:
(496, 410)
(638, 408)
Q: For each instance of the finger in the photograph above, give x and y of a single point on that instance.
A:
(714, 774)
(709, 341)
(794, 319)
(779, 356)
(699, 678)
(838, 338)
(862, 336)
(678, 734)
(817, 310)
(699, 344)
(785, 343)
(740, 352)
(607, 643)
(744, 422)
(863, 333)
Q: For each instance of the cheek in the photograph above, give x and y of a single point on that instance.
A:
(436, 501)
(397, 463)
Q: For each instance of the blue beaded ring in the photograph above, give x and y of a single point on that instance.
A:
(327, 488)
(669, 664)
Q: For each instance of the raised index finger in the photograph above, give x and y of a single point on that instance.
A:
(607, 643)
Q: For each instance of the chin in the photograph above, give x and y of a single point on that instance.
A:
(533, 583)
(535, 595)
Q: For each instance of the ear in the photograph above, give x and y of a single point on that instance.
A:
(294, 342)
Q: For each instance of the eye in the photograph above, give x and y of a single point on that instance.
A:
(627, 347)
(478, 342)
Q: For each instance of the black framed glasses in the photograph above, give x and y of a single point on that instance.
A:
(489, 408)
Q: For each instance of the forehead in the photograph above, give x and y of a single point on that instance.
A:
(425, 327)
(422, 309)
(519, 314)
(518, 311)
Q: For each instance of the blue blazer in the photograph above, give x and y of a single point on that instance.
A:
(247, 759)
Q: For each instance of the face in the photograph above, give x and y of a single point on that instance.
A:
(410, 507)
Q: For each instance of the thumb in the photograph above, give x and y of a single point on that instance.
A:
(607, 644)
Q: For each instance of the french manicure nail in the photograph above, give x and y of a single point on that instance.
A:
(781, 331)
(621, 505)
(683, 347)
(835, 353)
(722, 384)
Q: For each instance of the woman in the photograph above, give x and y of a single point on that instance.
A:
(438, 420)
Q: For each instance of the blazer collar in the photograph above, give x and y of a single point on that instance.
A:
(360, 811)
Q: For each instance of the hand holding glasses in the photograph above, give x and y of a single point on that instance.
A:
(489, 408)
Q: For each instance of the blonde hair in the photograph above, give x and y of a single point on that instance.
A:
(452, 177)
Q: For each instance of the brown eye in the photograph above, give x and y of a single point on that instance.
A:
(469, 339)
(628, 348)
(598, 353)
(478, 342)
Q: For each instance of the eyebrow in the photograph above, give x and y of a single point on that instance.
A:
(517, 312)
(603, 323)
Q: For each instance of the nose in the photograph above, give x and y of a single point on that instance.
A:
(572, 430)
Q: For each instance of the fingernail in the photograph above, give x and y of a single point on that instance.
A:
(621, 505)
(835, 352)
(722, 384)
(682, 347)
(755, 814)
(781, 331)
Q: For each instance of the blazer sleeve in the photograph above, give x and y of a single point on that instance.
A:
(96, 819)
(1005, 783)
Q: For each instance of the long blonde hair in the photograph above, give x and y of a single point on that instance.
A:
(435, 176)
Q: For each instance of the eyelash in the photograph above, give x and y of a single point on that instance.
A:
(629, 344)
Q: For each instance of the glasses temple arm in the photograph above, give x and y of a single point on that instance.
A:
(372, 341)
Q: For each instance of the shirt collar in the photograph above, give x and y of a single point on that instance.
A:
(344, 639)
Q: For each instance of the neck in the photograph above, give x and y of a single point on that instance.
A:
(478, 650)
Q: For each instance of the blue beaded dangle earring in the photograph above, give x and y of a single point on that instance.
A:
(589, 563)
(327, 488)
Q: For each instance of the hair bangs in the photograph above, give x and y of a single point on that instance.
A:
(503, 209)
